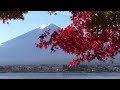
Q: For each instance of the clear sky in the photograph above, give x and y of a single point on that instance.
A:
(32, 20)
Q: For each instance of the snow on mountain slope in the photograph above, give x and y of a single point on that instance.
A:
(42, 26)
(22, 50)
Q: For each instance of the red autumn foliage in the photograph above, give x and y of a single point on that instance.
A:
(91, 34)
(88, 37)
(8, 15)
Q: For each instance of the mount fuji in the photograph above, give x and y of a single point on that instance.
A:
(22, 49)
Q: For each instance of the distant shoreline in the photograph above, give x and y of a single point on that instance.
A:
(66, 72)
(56, 68)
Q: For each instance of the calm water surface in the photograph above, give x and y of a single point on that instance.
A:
(59, 75)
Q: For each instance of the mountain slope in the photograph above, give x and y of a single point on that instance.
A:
(22, 50)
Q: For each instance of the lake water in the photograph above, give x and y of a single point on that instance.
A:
(59, 75)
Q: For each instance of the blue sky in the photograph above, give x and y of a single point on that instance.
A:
(32, 20)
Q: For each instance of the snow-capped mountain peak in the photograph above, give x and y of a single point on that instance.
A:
(22, 49)
(42, 26)
(48, 25)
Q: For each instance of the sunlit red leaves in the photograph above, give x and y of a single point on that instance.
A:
(98, 42)
(74, 62)
(110, 49)
(39, 45)
(91, 34)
